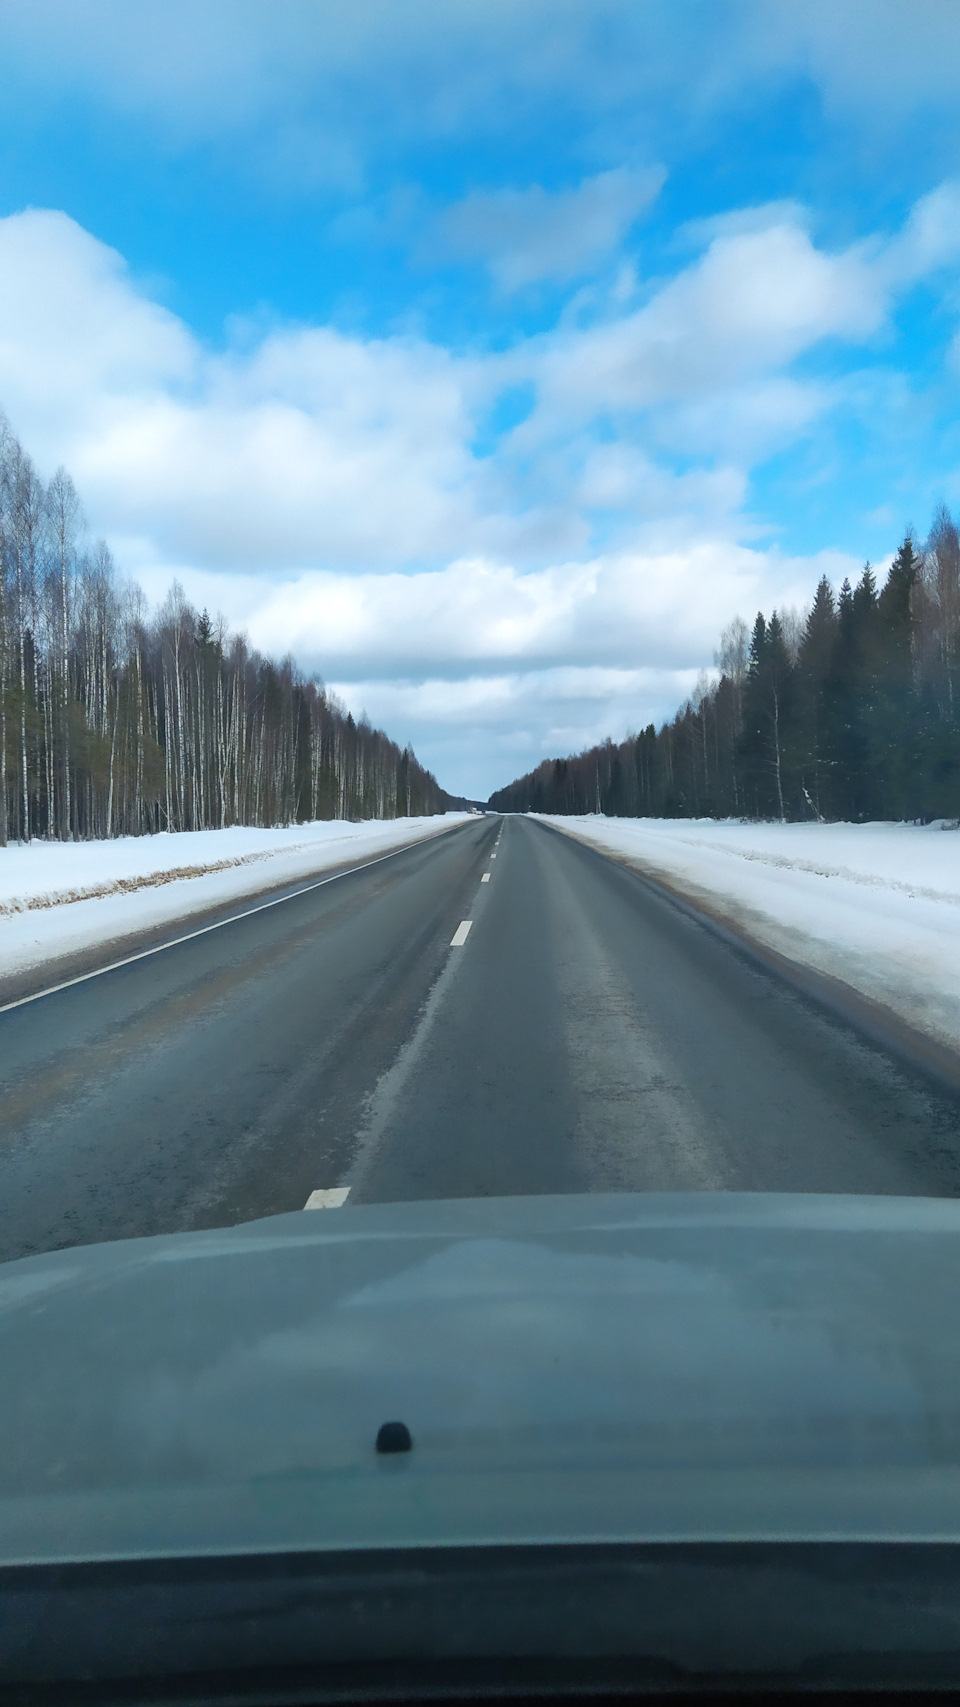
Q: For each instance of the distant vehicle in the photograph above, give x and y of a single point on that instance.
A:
(584, 1444)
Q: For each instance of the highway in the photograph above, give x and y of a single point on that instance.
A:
(497, 1010)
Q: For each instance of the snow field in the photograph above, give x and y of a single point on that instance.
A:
(61, 898)
(876, 905)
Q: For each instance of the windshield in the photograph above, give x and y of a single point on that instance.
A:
(479, 786)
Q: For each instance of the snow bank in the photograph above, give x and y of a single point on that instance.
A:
(877, 905)
(60, 898)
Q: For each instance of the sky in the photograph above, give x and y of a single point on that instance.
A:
(487, 358)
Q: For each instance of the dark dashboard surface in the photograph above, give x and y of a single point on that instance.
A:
(485, 1623)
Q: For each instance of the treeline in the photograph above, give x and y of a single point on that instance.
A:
(849, 712)
(113, 722)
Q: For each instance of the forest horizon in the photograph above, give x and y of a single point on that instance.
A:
(115, 722)
(850, 710)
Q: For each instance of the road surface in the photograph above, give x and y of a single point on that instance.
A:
(584, 1033)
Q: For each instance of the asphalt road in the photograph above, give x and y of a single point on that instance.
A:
(588, 1034)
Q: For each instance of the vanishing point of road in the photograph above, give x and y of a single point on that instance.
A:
(496, 1010)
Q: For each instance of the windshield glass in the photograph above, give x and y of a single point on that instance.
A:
(479, 779)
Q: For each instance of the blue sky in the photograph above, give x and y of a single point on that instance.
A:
(488, 358)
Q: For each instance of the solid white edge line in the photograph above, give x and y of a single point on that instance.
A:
(218, 925)
(461, 933)
(334, 1197)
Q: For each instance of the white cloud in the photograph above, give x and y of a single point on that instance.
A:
(753, 303)
(311, 447)
(315, 448)
(75, 333)
(875, 60)
(315, 91)
(525, 236)
(740, 221)
(485, 670)
(488, 729)
(930, 239)
(332, 84)
(202, 67)
(621, 612)
(323, 489)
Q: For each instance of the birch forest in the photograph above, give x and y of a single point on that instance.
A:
(115, 721)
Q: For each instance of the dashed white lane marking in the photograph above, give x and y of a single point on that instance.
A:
(218, 925)
(461, 933)
(493, 856)
(485, 878)
(333, 1198)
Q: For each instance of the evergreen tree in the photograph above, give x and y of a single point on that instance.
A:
(865, 723)
(813, 670)
(767, 714)
(752, 737)
(895, 755)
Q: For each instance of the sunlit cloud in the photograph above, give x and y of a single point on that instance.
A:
(352, 498)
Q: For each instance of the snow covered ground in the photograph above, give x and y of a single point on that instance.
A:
(877, 905)
(59, 898)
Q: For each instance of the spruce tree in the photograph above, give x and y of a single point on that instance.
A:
(842, 732)
(895, 747)
(752, 738)
(813, 669)
(767, 720)
(866, 724)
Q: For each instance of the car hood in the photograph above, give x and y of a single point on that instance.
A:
(591, 1368)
